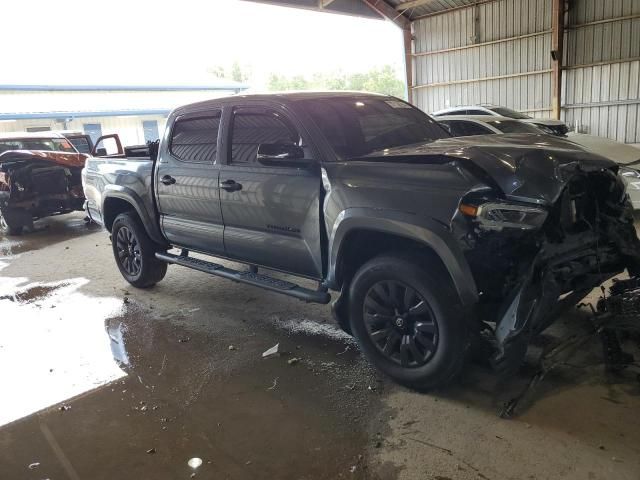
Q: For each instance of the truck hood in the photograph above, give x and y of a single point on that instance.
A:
(525, 167)
(59, 158)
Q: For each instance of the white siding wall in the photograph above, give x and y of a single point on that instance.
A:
(129, 128)
(487, 65)
(601, 90)
(601, 87)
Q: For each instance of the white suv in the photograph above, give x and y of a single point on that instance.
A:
(553, 127)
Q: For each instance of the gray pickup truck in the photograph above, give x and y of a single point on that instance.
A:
(432, 242)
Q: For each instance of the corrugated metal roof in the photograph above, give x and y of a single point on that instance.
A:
(414, 8)
(419, 8)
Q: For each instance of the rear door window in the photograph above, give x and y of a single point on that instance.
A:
(252, 128)
(194, 138)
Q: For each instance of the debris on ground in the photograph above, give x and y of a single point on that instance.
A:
(151, 451)
(34, 465)
(231, 347)
(272, 352)
(353, 468)
(294, 360)
(64, 408)
(275, 384)
(185, 340)
(194, 462)
(344, 351)
(125, 300)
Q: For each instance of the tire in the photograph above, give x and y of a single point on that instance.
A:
(407, 321)
(7, 227)
(134, 252)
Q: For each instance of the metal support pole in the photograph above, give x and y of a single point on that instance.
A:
(408, 60)
(557, 40)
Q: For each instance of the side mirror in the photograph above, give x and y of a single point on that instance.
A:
(108, 146)
(282, 155)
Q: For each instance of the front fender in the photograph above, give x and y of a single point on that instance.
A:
(426, 231)
(137, 202)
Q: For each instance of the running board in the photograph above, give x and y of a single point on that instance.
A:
(250, 278)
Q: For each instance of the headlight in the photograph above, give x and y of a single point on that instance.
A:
(630, 177)
(496, 216)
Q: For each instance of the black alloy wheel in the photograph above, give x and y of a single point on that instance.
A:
(129, 254)
(400, 323)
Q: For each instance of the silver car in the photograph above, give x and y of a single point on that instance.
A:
(548, 125)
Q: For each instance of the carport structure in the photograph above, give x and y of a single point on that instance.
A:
(576, 60)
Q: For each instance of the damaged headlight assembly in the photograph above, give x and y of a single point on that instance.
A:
(500, 215)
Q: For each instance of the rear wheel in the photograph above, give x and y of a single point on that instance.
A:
(8, 227)
(134, 252)
(406, 321)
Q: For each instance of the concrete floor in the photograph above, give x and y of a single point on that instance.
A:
(103, 381)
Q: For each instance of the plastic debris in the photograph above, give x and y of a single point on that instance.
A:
(231, 347)
(64, 408)
(194, 462)
(151, 451)
(275, 384)
(34, 465)
(272, 352)
(293, 361)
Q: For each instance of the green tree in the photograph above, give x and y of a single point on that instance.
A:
(238, 73)
(378, 80)
(217, 71)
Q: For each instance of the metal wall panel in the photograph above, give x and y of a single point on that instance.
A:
(496, 52)
(601, 92)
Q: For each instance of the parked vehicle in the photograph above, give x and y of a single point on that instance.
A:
(432, 241)
(552, 127)
(626, 156)
(40, 176)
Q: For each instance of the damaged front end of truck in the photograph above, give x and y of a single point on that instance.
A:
(36, 184)
(547, 230)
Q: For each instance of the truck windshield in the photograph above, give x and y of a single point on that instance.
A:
(357, 126)
(507, 112)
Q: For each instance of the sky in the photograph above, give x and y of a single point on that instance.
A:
(175, 42)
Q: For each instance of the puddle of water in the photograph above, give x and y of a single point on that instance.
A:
(53, 344)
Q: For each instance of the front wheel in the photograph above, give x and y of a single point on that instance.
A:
(9, 227)
(406, 319)
(134, 252)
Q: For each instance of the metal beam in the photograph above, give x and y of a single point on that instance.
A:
(483, 44)
(557, 39)
(382, 8)
(413, 3)
(483, 79)
(387, 11)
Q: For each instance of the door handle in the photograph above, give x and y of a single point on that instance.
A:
(168, 180)
(230, 186)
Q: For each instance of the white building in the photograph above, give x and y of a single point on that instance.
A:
(137, 113)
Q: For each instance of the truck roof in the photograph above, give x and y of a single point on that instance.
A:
(290, 96)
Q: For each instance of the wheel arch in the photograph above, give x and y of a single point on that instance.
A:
(361, 234)
(117, 201)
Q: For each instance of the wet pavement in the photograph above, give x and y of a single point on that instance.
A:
(102, 381)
